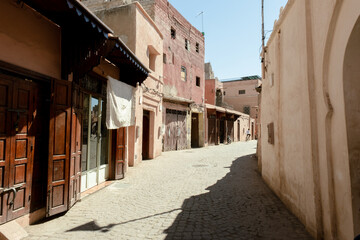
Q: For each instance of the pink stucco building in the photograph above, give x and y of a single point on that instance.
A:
(140, 33)
(242, 96)
(310, 115)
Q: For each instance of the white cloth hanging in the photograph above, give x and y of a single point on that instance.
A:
(120, 107)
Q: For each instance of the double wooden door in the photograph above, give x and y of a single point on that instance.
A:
(175, 132)
(17, 139)
(64, 163)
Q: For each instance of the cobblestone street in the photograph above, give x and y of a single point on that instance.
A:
(206, 193)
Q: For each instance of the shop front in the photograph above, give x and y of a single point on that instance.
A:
(95, 136)
(54, 143)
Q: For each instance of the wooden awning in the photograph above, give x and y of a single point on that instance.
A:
(85, 39)
(132, 70)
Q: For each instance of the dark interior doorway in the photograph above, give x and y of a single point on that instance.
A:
(222, 131)
(194, 130)
(146, 135)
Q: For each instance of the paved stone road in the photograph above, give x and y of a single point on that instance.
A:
(208, 193)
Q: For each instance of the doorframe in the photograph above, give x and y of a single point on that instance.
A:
(99, 167)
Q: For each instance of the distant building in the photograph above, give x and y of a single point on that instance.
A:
(222, 122)
(240, 93)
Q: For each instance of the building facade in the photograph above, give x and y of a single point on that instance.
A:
(183, 59)
(183, 73)
(223, 123)
(310, 115)
(142, 36)
(242, 96)
(54, 143)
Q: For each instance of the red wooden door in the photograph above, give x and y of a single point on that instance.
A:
(120, 152)
(17, 139)
(76, 143)
(59, 148)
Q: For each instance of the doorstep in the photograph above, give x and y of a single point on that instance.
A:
(95, 189)
(12, 231)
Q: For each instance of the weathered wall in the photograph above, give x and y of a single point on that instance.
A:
(166, 16)
(35, 37)
(307, 99)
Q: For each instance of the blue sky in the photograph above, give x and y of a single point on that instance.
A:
(232, 32)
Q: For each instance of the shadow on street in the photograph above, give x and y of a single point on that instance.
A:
(239, 206)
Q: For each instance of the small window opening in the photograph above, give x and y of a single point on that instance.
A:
(241, 91)
(197, 47)
(152, 60)
(198, 82)
(187, 44)
(183, 73)
(224, 93)
(247, 110)
(164, 58)
(173, 33)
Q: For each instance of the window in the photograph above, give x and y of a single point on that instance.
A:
(187, 44)
(197, 47)
(153, 53)
(270, 127)
(164, 58)
(247, 110)
(173, 33)
(241, 91)
(152, 60)
(224, 93)
(198, 82)
(183, 73)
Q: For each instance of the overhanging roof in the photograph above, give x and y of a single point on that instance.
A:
(131, 68)
(176, 99)
(66, 12)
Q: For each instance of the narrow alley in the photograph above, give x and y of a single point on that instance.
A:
(206, 193)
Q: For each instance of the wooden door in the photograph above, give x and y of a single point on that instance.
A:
(17, 139)
(211, 129)
(6, 90)
(59, 148)
(181, 131)
(22, 149)
(170, 131)
(119, 140)
(76, 143)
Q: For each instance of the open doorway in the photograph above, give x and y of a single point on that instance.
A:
(146, 135)
(194, 130)
(222, 130)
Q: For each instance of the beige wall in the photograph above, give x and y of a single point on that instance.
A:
(307, 66)
(142, 36)
(36, 38)
(239, 101)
